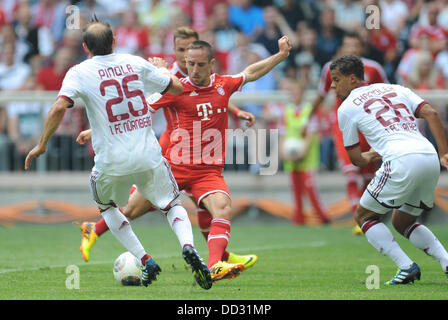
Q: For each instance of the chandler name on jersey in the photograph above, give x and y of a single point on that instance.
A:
(386, 116)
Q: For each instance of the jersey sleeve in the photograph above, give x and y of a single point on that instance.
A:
(157, 101)
(348, 128)
(71, 86)
(413, 101)
(235, 82)
(154, 79)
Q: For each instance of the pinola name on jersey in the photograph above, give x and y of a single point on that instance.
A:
(113, 72)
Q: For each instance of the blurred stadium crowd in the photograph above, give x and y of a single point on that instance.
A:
(37, 49)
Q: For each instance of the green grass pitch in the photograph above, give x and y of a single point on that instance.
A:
(295, 263)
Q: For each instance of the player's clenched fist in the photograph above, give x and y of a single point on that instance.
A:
(284, 45)
(84, 136)
(444, 160)
(158, 62)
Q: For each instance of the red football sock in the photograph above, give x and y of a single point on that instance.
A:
(145, 258)
(353, 192)
(204, 221)
(218, 239)
(297, 188)
(313, 195)
(101, 227)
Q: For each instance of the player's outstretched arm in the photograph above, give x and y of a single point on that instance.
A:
(52, 122)
(260, 68)
(431, 116)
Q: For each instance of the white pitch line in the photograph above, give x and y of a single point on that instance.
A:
(173, 255)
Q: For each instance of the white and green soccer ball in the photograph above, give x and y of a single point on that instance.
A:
(294, 147)
(127, 270)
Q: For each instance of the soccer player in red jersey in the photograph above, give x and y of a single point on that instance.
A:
(197, 150)
(373, 73)
(183, 36)
(197, 154)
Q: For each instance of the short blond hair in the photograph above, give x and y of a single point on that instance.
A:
(185, 33)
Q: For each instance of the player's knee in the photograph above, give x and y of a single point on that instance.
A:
(131, 212)
(401, 225)
(222, 212)
(363, 215)
(358, 216)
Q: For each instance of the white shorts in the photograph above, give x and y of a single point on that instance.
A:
(157, 185)
(406, 183)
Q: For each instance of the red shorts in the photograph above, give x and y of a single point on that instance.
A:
(200, 181)
(164, 141)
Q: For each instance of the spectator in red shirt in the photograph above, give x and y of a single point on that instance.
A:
(50, 78)
(437, 34)
(130, 36)
(62, 148)
(2, 17)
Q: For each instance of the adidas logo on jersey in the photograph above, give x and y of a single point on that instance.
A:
(193, 93)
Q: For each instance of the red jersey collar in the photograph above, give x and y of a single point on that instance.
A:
(212, 81)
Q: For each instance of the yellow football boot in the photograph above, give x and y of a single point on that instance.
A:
(88, 239)
(248, 260)
(357, 231)
(223, 270)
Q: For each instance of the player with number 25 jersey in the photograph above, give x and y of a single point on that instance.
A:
(122, 137)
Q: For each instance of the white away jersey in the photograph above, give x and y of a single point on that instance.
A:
(385, 115)
(114, 87)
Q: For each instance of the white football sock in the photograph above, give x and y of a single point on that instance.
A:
(122, 230)
(180, 223)
(382, 239)
(424, 239)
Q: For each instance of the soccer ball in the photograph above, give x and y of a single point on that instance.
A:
(127, 270)
(294, 148)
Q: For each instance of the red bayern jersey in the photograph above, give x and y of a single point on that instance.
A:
(200, 120)
(373, 73)
(167, 112)
(434, 32)
(177, 71)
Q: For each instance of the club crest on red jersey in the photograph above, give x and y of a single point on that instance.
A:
(220, 89)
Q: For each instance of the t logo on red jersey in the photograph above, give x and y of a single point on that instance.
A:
(204, 110)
